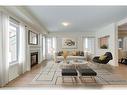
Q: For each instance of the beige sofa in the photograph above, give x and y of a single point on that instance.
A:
(72, 55)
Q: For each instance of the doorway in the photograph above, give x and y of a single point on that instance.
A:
(122, 44)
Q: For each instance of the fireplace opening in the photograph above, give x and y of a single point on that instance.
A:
(34, 59)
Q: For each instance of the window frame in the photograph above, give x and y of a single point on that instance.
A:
(16, 25)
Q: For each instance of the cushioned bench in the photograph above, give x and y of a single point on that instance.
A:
(87, 72)
(69, 72)
(83, 72)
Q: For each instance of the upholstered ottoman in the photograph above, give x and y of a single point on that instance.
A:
(87, 72)
(69, 73)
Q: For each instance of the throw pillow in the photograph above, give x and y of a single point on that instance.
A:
(77, 53)
(81, 53)
(60, 53)
(102, 57)
(74, 53)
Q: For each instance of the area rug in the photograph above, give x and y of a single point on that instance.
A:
(51, 76)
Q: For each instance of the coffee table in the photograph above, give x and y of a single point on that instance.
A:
(73, 64)
(77, 63)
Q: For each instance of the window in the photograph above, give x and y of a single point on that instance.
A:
(43, 43)
(51, 46)
(13, 40)
(49, 43)
(89, 44)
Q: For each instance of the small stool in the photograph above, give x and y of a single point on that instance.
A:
(69, 72)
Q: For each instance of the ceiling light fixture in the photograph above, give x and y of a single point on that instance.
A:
(65, 23)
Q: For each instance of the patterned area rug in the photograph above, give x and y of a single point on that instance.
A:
(51, 76)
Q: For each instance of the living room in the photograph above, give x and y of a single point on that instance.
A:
(49, 42)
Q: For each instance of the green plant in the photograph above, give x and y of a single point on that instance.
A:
(104, 46)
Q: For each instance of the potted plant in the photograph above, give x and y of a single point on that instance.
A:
(104, 46)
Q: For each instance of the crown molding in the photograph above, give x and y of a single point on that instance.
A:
(27, 18)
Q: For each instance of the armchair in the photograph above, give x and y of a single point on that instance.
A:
(106, 60)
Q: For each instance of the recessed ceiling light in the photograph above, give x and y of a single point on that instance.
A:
(65, 23)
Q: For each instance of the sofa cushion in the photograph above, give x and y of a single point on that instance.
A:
(71, 53)
(81, 53)
(71, 57)
(77, 53)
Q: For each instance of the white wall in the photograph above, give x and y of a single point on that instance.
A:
(76, 35)
(110, 31)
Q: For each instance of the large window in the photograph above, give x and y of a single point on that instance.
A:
(13, 40)
(51, 46)
(43, 43)
(89, 44)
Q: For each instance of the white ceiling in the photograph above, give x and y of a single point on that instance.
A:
(82, 18)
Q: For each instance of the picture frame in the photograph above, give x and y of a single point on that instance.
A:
(32, 38)
(104, 42)
(69, 43)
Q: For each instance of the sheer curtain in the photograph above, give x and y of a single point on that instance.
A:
(4, 49)
(22, 49)
(44, 47)
(4, 67)
(1, 52)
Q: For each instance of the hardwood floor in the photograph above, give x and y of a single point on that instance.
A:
(122, 70)
(24, 79)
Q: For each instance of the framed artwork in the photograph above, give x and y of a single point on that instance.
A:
(69, 43)
(32, 38)
(104, 42)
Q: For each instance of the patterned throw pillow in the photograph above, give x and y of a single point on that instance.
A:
(102, 57)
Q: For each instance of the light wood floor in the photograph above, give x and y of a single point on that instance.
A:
(24, 79)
